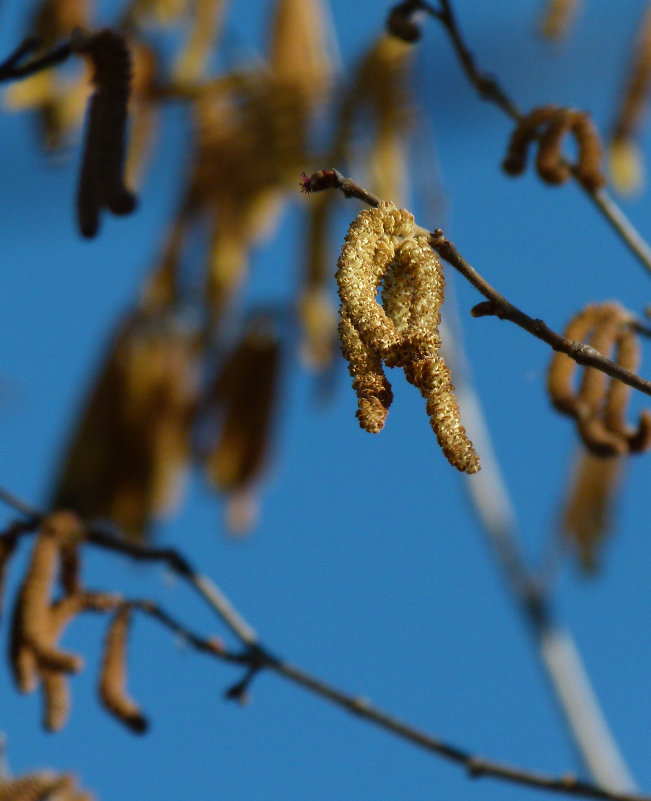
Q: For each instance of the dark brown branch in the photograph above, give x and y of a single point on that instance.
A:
(256, 658)
(12, 70)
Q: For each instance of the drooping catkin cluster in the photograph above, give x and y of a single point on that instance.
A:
(39, 618)
(599, 404)
(402, 331)
(624, 158)
(101, 181)
(113, 674)
(549, 125)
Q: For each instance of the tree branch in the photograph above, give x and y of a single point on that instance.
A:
(258, 658)
(490, 90)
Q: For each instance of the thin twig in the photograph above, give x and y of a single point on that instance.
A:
(490, 90)
(11, 70)
(258, 658)
(497, 305)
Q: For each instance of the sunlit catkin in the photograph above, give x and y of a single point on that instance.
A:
(113, 674)
(368, 250)
(101, 181)
(403, 331)
(625, 162)
(374, 395)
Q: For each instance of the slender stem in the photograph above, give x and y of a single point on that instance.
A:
(490, 90)
(11, 70)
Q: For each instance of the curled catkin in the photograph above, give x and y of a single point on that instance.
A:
(562, 367)
(525, 133)
(599, 404)
(374, 395)
(368, 250)
(432, 377)
(112, 690)
(101, 182)
(550, 125)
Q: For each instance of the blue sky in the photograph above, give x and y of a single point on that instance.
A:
(368, 568)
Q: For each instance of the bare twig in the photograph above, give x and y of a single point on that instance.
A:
(12, 70)
(258, 658)
(490, 90)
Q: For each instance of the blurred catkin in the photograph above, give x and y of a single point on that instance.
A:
(625, 161)
(113, 673)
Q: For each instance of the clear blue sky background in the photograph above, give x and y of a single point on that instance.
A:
(368, 568)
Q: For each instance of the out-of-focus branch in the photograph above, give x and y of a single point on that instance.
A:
(497, 304)
(557, 650)
(11, 68)
(257, 658)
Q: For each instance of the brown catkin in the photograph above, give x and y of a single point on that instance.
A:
(56, 699)
(562, 368)
(627, 356)
(525, 132)
(550, 125)
(113, 674)
(557, 17)
(587, 516)
(589, 164)
(432, 377)
(374, 395)
(101, 182)
(549, 162)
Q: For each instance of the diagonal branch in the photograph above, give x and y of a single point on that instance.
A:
(259, 658)
(490, 90)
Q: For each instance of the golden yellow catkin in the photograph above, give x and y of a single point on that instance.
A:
(588, 510)
(432, 377)
(101, 180)
(625, 162)
(113, 674)
(368, 250)
(34, 601)
(369, 381)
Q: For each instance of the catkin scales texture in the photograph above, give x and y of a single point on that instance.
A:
(381, 252)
